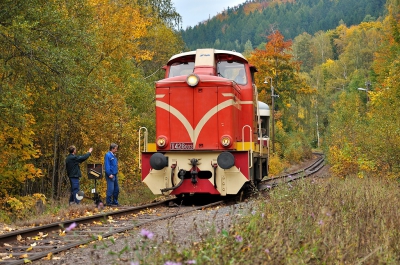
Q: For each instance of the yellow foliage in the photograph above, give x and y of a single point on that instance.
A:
(121, 28)
(21, 207)
(329, 63)
(301, 113)
(17, 152)
(276, 165)
(40, 196)
(343, 163)
(15, 204)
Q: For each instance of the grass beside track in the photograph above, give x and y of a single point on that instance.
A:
(330, 221)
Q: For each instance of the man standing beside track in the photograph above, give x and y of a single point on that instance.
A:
(74, 172)
(111, 168)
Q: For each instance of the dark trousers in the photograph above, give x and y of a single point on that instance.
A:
(74, 190)
(112, 190)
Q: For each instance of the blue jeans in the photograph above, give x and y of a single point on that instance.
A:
(112, 190)
(74, 190)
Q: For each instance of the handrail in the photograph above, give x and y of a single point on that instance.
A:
(144, 144)
(251, 143)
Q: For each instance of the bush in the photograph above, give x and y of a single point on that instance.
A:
(23, 207)
(276, 165)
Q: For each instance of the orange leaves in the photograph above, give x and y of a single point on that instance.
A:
(276, 54)
(277, 61)
(252, 7)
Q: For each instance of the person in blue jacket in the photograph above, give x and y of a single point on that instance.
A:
(74, 172)
(111, 169)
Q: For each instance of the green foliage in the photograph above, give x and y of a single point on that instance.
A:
(297, 148)
(254, 20)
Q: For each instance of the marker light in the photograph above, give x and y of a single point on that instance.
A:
(192, 80)
(226, 140)
(161, 141)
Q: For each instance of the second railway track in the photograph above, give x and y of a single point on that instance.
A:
(317, 164)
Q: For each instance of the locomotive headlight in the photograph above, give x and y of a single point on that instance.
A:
(192, 80)
(226, 141)
(161, 141)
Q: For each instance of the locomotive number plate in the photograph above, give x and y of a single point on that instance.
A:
(181, 146)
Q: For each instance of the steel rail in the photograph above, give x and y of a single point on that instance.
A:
(7, 237)
(317, 165)
(93, 237)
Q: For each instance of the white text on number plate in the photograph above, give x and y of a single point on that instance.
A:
(181, 146)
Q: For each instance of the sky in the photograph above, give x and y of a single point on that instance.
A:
(195, 11)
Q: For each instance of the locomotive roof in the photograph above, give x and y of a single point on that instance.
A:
(193, 53)
(264, 109)
(263, 105)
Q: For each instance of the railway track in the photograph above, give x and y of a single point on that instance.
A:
(24, 246)
(314, 167)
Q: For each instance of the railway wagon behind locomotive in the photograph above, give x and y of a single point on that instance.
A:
(210, 127)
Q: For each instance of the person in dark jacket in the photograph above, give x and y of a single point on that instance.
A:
(111, 169)
(74, 172)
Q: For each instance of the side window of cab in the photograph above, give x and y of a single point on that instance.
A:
(232, 70)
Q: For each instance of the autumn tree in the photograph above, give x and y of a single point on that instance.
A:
(385, 97)
(347, 135)
(302, 51)
(39, 49)
(276, 62)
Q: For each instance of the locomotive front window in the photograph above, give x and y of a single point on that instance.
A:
(232, 70)
(177, 69)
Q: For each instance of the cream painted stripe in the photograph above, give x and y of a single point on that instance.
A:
(160, 95)
(237, 105)
(209, 114)
(178, 115)
(237, 101)
(246, 102)
(203, 120)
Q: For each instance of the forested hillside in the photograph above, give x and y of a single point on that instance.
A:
(339, 91)
(249, 23)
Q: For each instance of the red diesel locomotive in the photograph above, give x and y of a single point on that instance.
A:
(211, 131)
